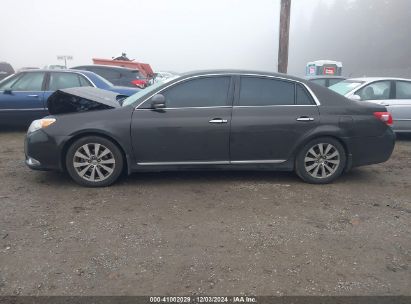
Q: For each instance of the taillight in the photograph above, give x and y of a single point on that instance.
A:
(385, 117)
(139, 83)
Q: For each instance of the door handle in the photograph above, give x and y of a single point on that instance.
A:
(218, 121)
(33, 95)
(305, 118)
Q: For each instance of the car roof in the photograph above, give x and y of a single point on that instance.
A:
(58, 71)
(105, 66)
(369, 79)
(242, 72)
(327, 61)
(325, 77)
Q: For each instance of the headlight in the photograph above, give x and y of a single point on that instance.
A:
(40, 124)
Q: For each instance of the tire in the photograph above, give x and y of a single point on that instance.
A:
(91, 169)
(321, 167)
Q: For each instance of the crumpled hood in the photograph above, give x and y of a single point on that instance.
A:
(82, 99)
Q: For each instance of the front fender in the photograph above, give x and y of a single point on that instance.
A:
(121, 143)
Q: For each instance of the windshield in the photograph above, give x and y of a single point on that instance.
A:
(7, 82)
(345, 86)
(133, 98)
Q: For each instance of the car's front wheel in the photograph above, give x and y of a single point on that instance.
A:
(94, 161)
(321, 161)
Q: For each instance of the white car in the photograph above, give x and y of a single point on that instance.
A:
(394, 93)
(162, 76)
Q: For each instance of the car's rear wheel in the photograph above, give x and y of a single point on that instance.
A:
(321, 161)
(94, 161)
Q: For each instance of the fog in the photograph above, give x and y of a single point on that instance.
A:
(368, 36)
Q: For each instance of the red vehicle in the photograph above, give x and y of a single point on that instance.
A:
(118, 76)
(122, 61)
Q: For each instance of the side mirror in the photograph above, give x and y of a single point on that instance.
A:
(8, 91)
(356, 97)
(158, 101)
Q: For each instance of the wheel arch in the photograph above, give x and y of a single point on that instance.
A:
(334, 135)
(77, 136)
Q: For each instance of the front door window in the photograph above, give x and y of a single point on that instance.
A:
(375, 91)
(29, 82)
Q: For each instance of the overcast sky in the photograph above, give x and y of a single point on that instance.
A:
(177, 35)
(369, 36)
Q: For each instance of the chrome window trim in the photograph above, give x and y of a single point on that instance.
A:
(267, 161)
(226, 162)
(270, 106)
(23, 91)
(184, 163)
(317, 102)
(26, 109)
(185, 108)
(227, 107)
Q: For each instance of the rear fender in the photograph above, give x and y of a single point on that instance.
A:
(333, 131)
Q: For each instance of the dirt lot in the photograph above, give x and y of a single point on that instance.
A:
(207, 233)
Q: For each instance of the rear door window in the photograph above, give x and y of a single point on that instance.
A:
(403, 90)
(302, 96)
(260, 91)
(60, 81)
(84, 82)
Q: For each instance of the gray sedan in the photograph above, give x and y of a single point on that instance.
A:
(221, 120)
(393, 93)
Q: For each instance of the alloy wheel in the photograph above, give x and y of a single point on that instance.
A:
(322, 160)
(94, 162)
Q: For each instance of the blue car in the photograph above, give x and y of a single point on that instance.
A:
(23, 96)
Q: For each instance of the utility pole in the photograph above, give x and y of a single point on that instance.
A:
(284, 36)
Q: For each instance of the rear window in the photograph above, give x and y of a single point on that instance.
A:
(345, 86)
(320, 81)
(137, 74)
(333, 81)
(109, 73)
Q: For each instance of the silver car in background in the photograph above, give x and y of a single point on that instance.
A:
(394, 93)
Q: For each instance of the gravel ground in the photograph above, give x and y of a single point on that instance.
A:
(211, 233)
